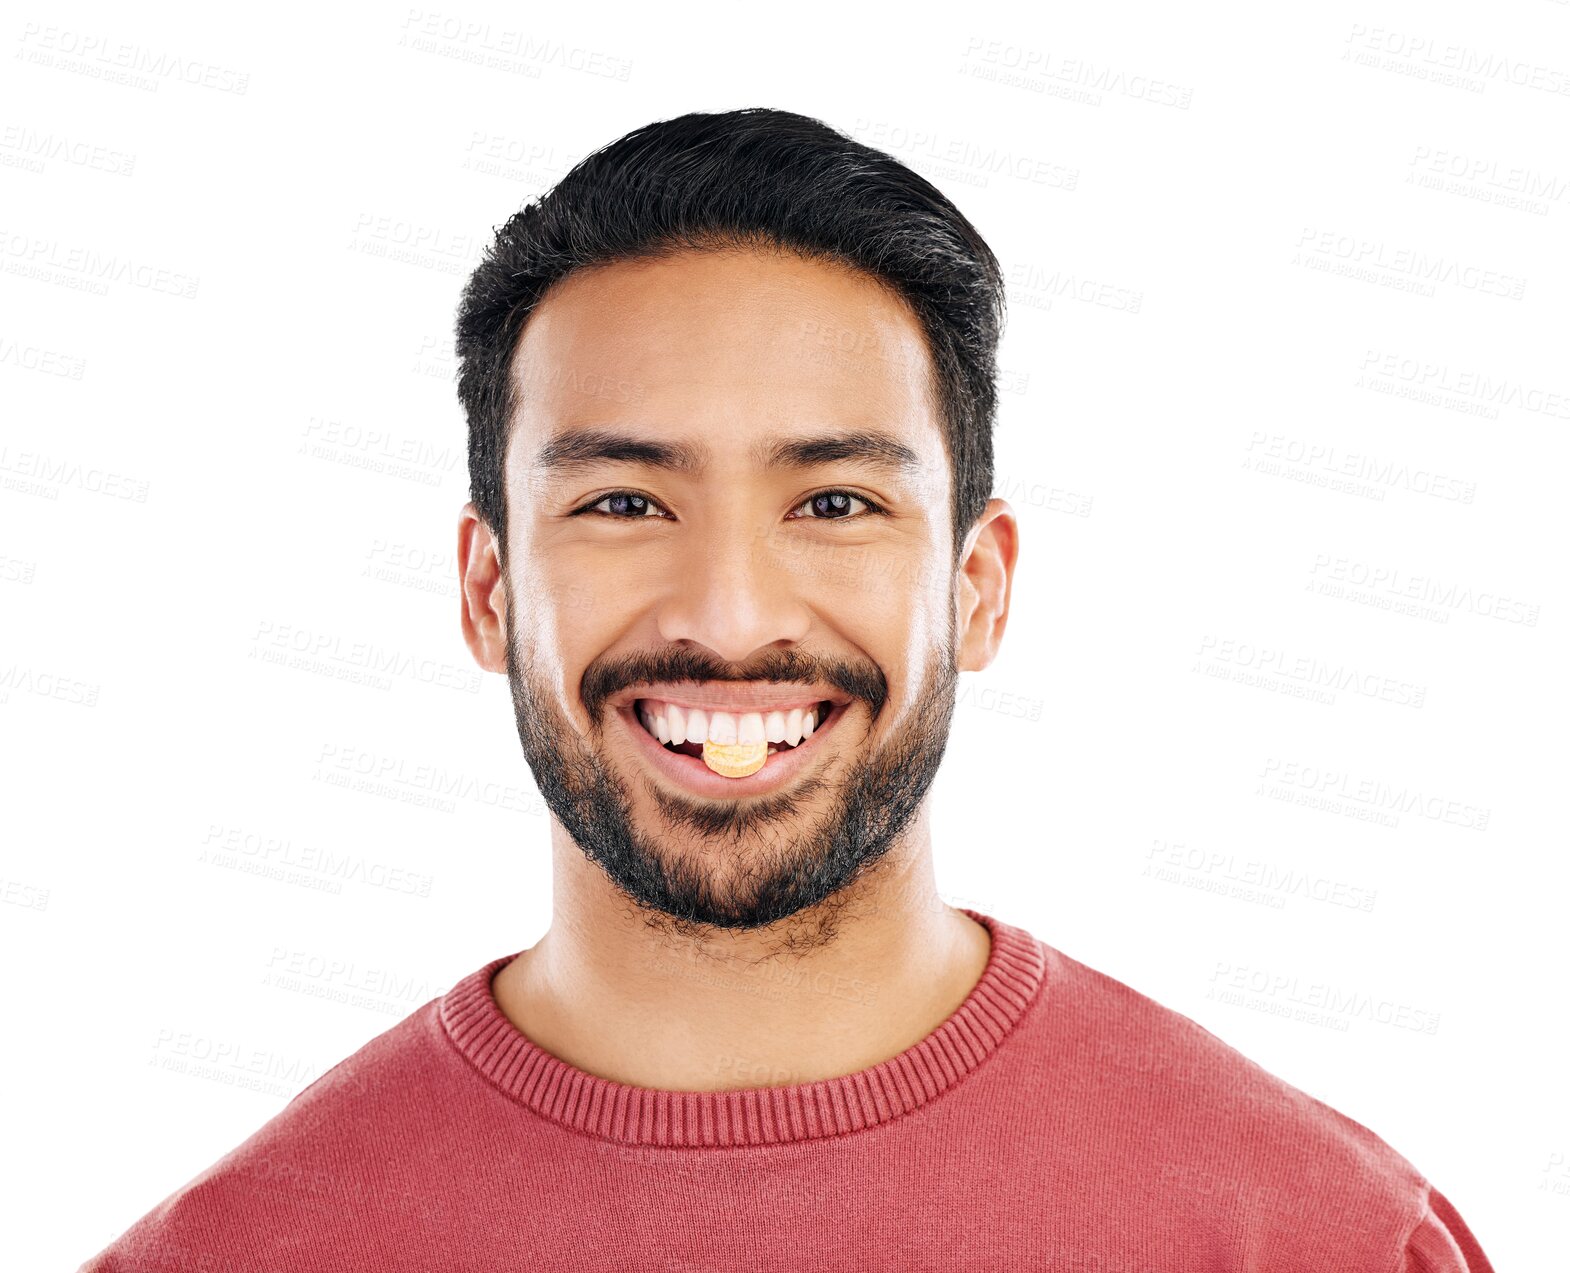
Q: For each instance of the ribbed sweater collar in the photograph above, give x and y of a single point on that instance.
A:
(510, 1061)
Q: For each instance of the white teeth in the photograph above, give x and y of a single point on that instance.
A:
(697, 725)
(672, 723)
(722, 727)
(749, 728)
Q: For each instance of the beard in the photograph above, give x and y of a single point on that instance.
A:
(679, 876)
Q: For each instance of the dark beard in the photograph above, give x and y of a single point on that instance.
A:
(777, 876)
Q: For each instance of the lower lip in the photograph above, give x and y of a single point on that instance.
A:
(692, 773)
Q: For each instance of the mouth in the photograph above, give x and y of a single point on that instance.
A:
(790, 750)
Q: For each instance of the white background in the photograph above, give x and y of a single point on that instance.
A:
(1284, 407)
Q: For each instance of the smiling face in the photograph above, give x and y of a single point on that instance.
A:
(728, 516)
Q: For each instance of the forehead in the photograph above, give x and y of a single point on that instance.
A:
(725, 349)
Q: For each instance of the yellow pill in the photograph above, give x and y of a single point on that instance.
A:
(735, 760)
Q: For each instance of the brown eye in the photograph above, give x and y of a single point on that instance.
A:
(624, 506)
(834, 506)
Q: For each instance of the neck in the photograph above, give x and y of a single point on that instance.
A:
(827, 993)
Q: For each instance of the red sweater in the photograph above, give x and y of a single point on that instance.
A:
(1057, 1120)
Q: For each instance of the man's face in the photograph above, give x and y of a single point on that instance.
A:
(743, 578)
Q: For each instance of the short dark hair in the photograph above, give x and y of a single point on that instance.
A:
(743, 178)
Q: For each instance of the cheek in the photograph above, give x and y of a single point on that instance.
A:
(906, 633)
(568, 616)
(885, 633)
(927, 631)
(552, 621)
(558, 590)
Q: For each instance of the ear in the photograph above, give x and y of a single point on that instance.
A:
(986, 577)
(484, 591)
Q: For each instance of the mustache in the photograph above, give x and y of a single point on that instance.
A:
(606, 677)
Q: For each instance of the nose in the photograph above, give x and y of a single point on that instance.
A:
(736, 593)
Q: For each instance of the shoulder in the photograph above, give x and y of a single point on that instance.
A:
(1175, 1074)
(282, 1194)
(1223, 1138)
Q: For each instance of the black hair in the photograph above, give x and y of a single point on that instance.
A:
(756, 177)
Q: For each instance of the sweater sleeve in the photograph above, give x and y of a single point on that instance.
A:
(1441, 1242)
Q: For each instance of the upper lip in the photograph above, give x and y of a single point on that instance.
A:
(727, 696)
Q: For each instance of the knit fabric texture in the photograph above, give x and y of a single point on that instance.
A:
(1057, 1120)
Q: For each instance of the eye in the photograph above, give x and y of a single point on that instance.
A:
(833, 506)
(626, 506)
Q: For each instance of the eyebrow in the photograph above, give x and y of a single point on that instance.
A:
(584, 448)
(870, 448)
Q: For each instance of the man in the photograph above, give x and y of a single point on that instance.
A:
(730, 397)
